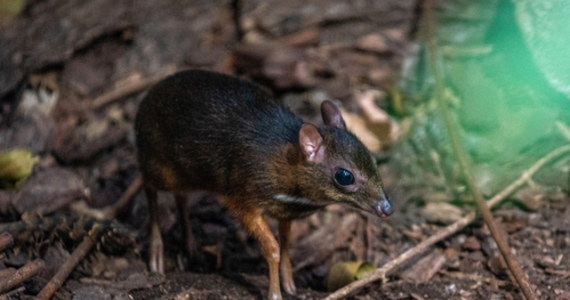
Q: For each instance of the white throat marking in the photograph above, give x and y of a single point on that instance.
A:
(290, 199)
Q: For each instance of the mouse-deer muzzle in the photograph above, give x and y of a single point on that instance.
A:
(382, 207)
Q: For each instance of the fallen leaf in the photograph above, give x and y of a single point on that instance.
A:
(373, 42)
(320, 244)
(357, 125)
(441, 213)
(472, 243)
(49, 190)
(425, 268)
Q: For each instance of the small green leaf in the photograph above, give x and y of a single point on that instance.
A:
(15, 166)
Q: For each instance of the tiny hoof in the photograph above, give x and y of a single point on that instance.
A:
(289, 287)
(275, 296)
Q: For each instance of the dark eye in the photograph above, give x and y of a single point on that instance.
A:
(343, 177)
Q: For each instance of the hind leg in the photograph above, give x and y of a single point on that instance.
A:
(156, 260)
(285, 262)
(189, 241)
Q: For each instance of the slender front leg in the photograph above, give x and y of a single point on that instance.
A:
(189, 241)
(285, 264)
(156, 259)
(255, 223)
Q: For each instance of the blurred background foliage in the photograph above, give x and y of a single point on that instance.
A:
(507, 73)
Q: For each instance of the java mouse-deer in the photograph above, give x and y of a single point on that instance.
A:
(199, 130)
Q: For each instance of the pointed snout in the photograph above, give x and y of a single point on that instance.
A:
(382, 207)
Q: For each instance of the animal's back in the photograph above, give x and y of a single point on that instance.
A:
(195, 126)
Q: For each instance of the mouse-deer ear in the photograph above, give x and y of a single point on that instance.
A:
(310, 141)
(331, 115)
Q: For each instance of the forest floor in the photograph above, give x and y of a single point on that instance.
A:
(64, 62)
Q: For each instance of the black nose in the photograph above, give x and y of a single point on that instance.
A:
(383, 207)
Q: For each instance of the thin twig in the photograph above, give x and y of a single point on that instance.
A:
(33, 223)
(83, 248)
(109, 212)
(78, 254)
(520, 276)
(447, 231)
(27, 271)
(7, 273)
(14, 226)
(9, 294)
(474, 277)
(112, 210)
(124, 90)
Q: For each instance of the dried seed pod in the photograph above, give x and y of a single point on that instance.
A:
(345, 272)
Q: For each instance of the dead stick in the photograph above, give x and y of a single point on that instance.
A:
(44, 223)
(14, 226)
(123, 91)
(6, 240)
(27, 271)
(78, 254)
(447, 231)
(109, 212)
(112, 210)
(7, 273)
(12, 292)
(520, 276)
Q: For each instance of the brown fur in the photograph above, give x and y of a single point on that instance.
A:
(199, 130)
